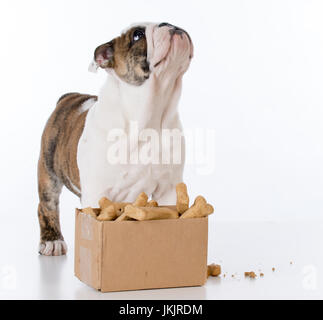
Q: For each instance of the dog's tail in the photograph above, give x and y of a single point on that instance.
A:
(66, 95)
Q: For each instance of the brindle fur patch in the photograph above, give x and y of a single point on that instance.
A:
(129, 58)
(57, 165)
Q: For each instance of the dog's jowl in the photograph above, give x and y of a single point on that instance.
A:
(131, 120)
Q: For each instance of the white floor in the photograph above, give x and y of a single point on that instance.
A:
(238, 247)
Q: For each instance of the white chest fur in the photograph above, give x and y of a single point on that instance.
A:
(150, 106)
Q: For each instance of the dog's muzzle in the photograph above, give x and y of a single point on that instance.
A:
(173, 29)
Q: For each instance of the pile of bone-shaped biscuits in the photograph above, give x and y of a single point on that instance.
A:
(142, 209)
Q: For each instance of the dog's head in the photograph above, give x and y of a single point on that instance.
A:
(146, 49)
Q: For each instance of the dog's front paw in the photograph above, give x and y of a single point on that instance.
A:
(53, 248)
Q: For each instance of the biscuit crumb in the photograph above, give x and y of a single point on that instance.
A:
(273, 269)
(250, 274)
(291, 262)
(213, 270)
(261, 274)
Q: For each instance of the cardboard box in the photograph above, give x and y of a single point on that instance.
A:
(132, 255)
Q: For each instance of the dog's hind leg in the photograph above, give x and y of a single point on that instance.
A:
(49, 189)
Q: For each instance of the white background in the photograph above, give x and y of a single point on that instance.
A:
(256, 79)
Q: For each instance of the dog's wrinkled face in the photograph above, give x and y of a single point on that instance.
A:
(144, 49)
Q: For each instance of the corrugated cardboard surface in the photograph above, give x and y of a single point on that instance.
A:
(133, 255)
(88, 249)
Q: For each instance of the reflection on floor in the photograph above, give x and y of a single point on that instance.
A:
(291, 248)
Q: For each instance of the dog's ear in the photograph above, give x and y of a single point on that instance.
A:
(104, 55)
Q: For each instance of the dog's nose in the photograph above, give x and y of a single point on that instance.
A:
(173, 29)
(165, 24)
(176, 30)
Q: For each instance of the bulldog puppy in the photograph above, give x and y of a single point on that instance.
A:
(145, 66)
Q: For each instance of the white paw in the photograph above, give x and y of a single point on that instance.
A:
(53, 248)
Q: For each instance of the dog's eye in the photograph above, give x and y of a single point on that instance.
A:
(138, 34)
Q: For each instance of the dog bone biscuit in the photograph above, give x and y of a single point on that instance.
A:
(199, 209)
(119, 207)
(152, 213)
(141, 200)
(90, 211)
(104, 203)
(107, 214)
(182, 203)
(123, 217)
(152, 203)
